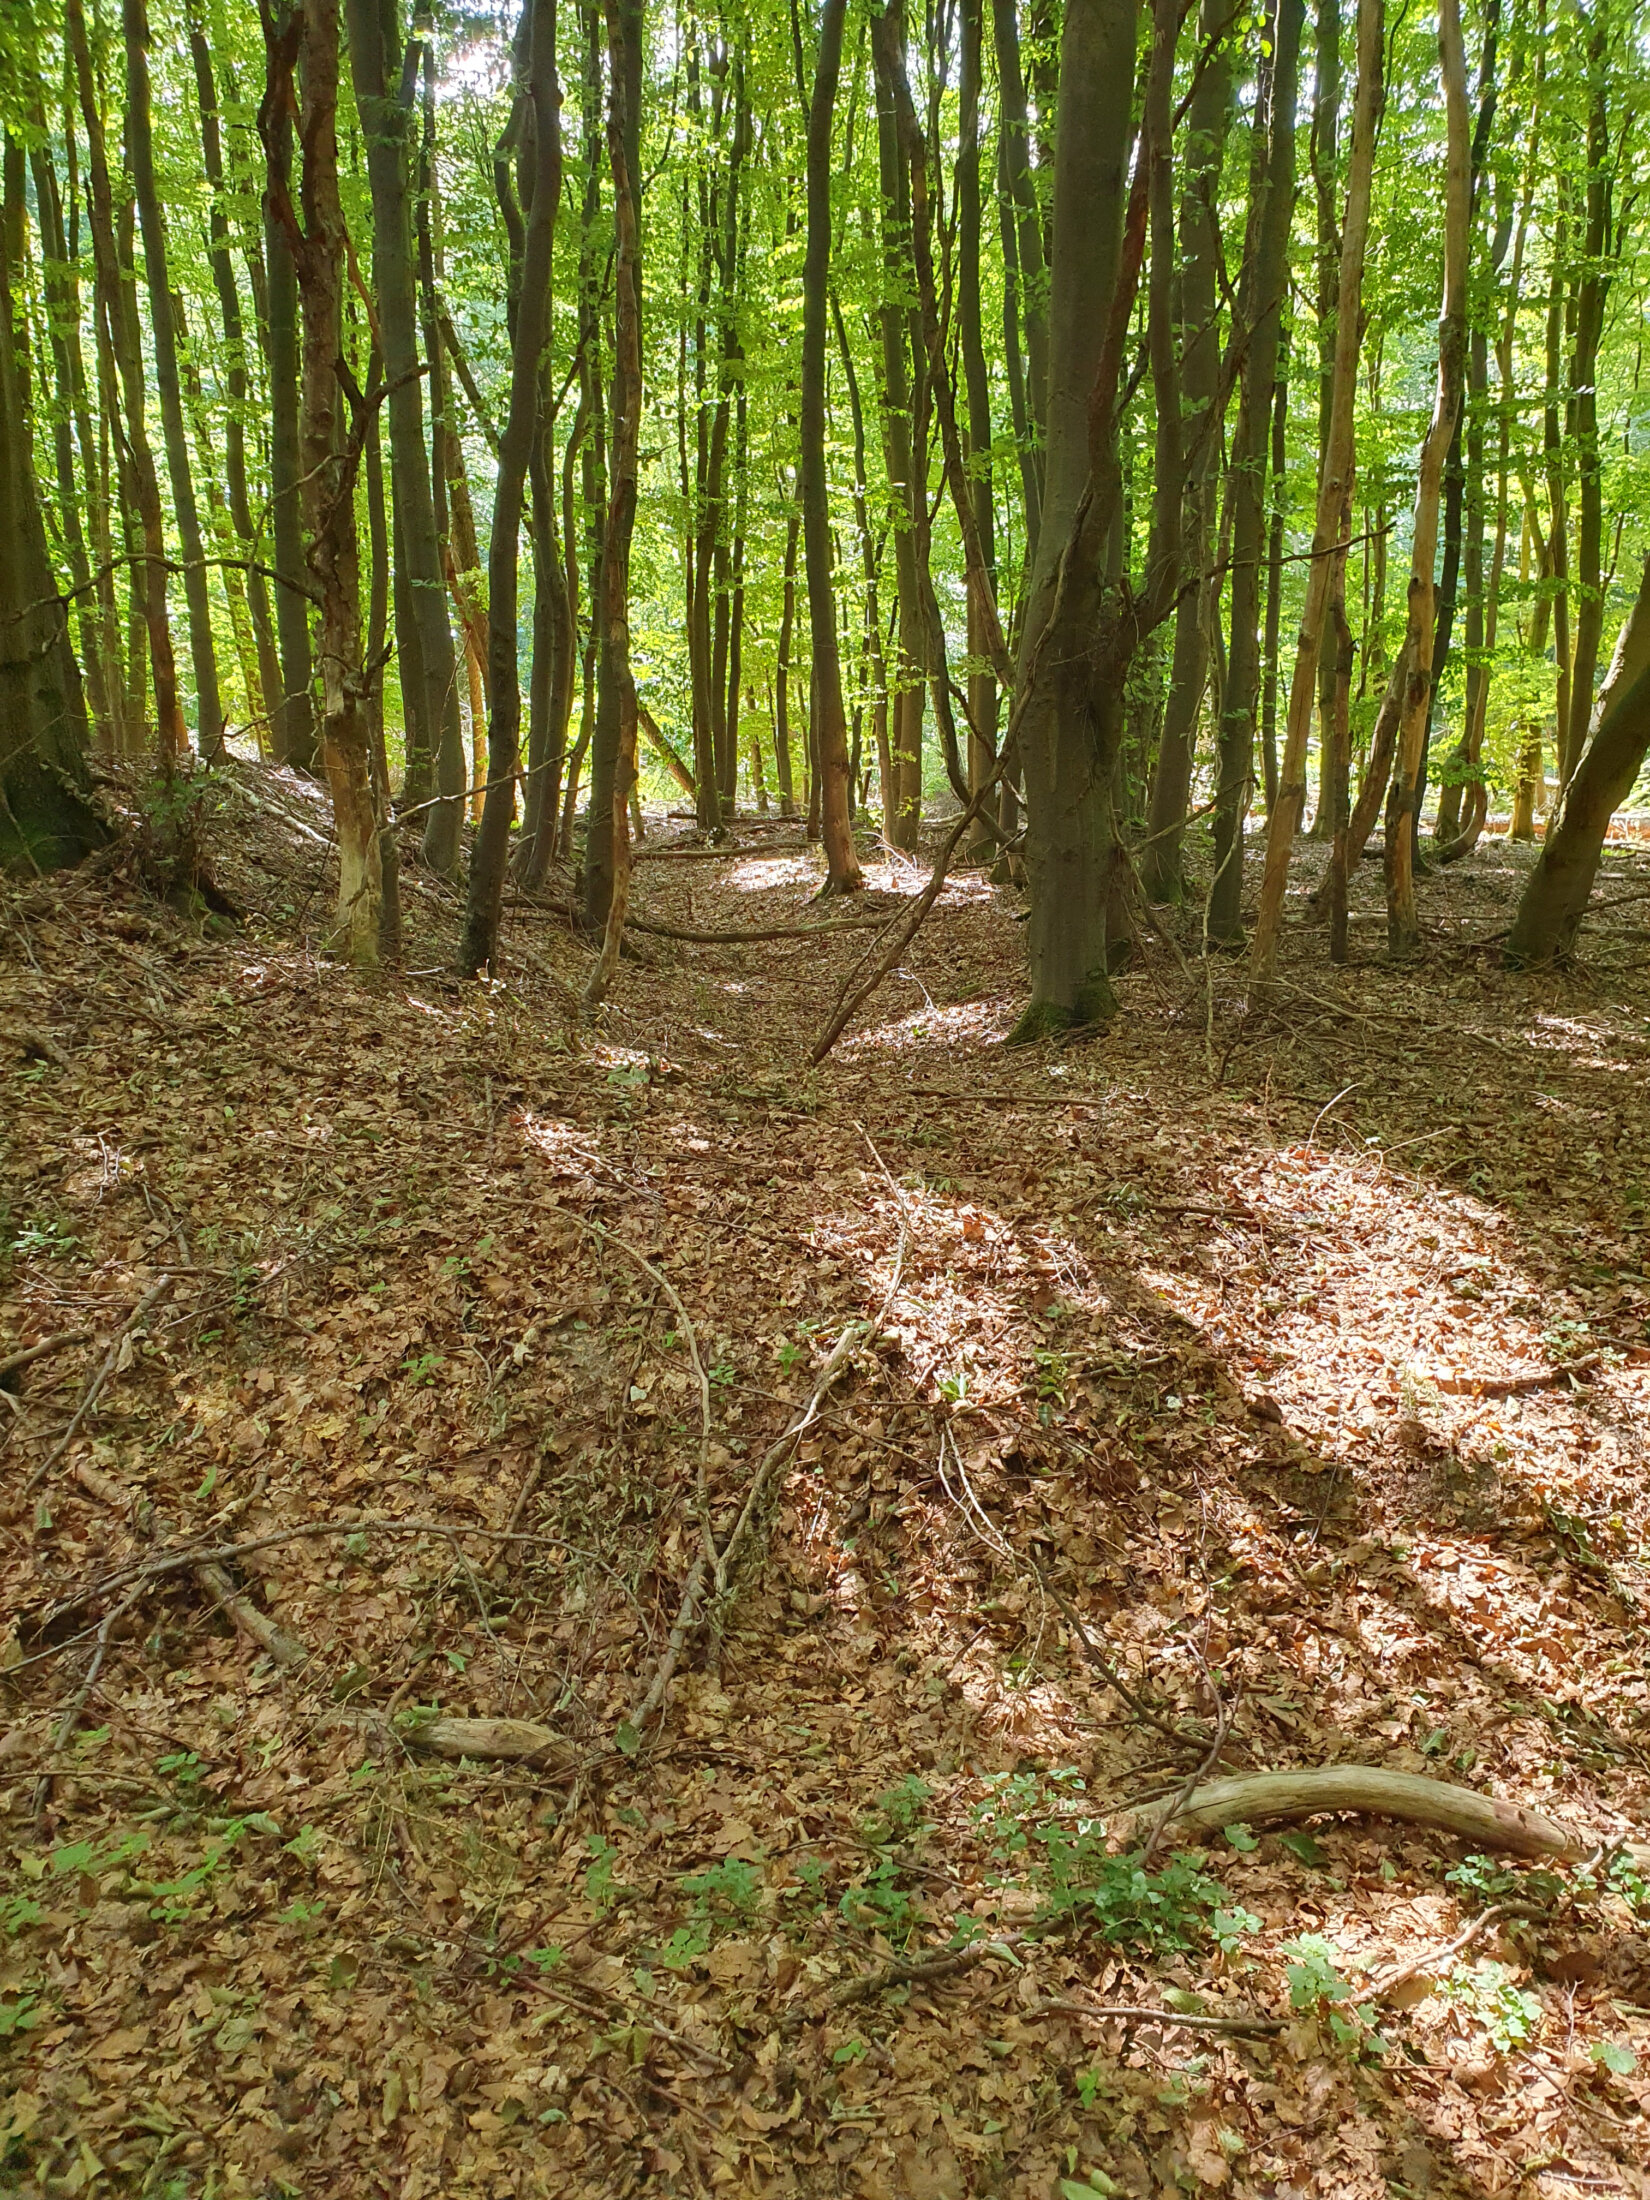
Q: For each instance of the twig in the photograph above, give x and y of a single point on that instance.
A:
(1243, 2027)
(1193, 1779)
(15, 1362)
(89, 1397)
(71, 1716)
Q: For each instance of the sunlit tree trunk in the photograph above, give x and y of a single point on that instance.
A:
(827, 717)
(1403, 928)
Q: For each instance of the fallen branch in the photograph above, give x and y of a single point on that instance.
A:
(1193, 2020)
(89, 1396)
(504, 1741)
(1279, 1798)
(15, 1362)
(768, 932)
(1514, 1386)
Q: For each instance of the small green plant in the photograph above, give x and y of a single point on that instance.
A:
(1509, 2013)
(1483, 1881)
(686, 1945)
(600, 1886)
(46, 1240)
(729, 1890)
(878, 1903)
(1611, 2055)
(1318, 1987)
(851, 2051)
(420, 1367)
(954, 1388)
(20, 2013)
(1052, 1372)
(898, 1814)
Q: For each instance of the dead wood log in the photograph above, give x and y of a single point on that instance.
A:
(1280, 1798)
(497, 1741)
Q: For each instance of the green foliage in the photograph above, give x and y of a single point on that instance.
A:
(729, 1890)
(1509, 2013)
(1318, 1987)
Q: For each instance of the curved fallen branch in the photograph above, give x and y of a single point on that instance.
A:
(1279, 1798)
(880, 918)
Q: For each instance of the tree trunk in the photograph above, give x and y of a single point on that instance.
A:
(783, 770)
(1403, 929)
(163, 335)
(384, 99)
(329, 456)
(538, 100)
(1067, 712)
(234, 337)
(983, 691)
(294, 728)
(1326, 576)
(1591, 292)
(613, 744)
(1555, 898)
(829, 721)
(1271, 206)
(1025, 305)
(117, 314)
(1161, 874)
(46, 819)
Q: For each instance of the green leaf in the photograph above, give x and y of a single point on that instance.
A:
(1240, 1838)
(1098, 2187)
(626, 1740)
(1611, 2055)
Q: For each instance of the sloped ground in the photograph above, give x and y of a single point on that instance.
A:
(1244, 1340)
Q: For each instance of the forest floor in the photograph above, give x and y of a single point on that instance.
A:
(1302, 1356)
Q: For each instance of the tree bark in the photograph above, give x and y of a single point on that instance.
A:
(1325, 584)
(387, 116)
(1591, 293)
(1555, 898)
(538, 99)
(1025, 301)
(1260, 300)
(46, 819)
(294, 728)
(163, 335)
(117, 314)
(1403, 928)
(329, 457)
(1067, 712)
(829, 721)
(1161, 875)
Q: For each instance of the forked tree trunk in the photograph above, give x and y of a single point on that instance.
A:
(329, 456)
(1403, 929)
(829, 720)
(539, 97)
(1325, 582)
(1555, 898)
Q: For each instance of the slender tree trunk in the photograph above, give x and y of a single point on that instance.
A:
(163, 335)
(613, 746)
(1403, 929)
(1025, 304)
(983, 690)
(829, 721)
(1555, 898)
(1272, 203)
(1591, 292)
(1326, 576)
(1277, 498)
(294, 729)
(1161, 874)
(384, 97)
(783, 770)
(538, 98)
(117, 315)
(234, 337)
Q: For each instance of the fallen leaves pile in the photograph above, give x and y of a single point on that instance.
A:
(1266, 1390)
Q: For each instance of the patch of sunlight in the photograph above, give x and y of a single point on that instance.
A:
(762, 874)
(925, 1026)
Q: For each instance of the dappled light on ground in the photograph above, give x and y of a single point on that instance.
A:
(1289, 1383)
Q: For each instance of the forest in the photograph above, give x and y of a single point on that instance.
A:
(824, 1020)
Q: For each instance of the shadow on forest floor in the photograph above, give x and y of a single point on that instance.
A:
(1245, 1340)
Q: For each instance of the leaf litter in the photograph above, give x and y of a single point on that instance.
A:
(1228, 1394)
